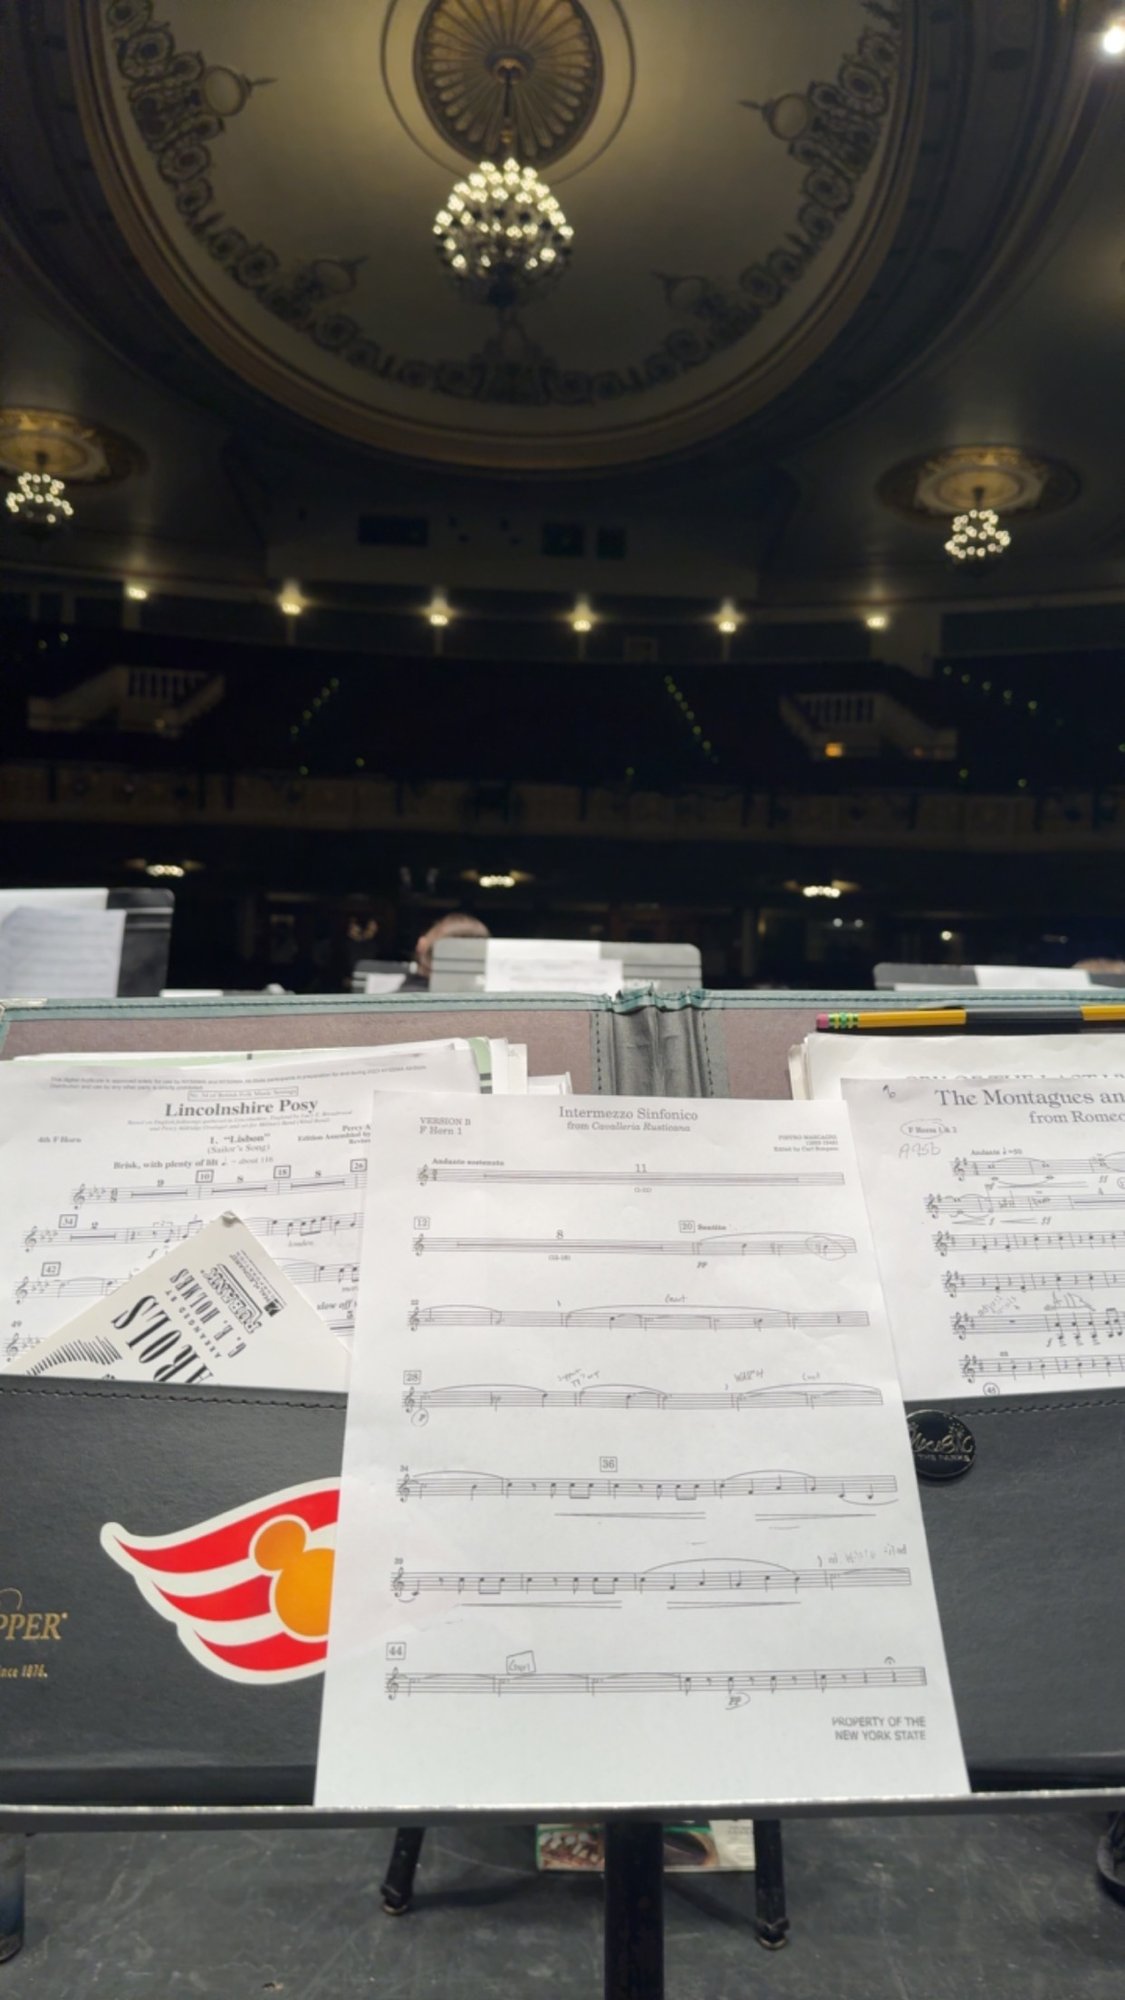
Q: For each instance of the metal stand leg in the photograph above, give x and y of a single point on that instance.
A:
(13, 1858)
(634, 1910)
(398, 1884)
(771, 1919)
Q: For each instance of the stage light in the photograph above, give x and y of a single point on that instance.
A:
(136, 593)
(289, 599)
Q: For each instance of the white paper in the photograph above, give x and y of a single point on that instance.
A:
(52, 899)
(215, 1309)
(550, 1086)
(549, 965)
(383, 982)
(998, 1209)
(629, 1511)
(1031, 978)
(61, 954)
(103, 1168)
(830, 1058)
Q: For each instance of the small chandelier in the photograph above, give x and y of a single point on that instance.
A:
(38, 500)
(501, 231)
(977, 536)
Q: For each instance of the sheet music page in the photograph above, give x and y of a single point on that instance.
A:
(61, 954)
(998, 1208)
(629, 1511)
(103, 1168)
(549, 965)
(830, 1058)
(216, 1309)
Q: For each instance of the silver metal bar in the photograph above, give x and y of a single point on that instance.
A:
(200, 1819)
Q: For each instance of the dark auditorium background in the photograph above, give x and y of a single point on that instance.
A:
(620, 611)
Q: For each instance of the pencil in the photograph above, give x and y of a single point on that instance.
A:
(982, 1020)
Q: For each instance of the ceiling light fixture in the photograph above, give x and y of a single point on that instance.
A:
(582, 617)
(38, 500)
(438, 612)
(877, 621)
(947, 937)
(1113, 39)
(727, 618)
(828, 890)
(136, 593)
(289, 599)
(497, 881)
(501, 232)
(977, 536)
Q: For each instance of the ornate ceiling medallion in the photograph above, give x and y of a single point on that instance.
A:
(996, 476)
(66, 447)
(466, 54)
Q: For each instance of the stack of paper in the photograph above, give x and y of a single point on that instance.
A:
(216, 1309)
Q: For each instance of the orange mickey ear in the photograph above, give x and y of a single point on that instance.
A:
(279, 1543)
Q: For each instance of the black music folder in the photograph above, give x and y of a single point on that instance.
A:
(120, 1503)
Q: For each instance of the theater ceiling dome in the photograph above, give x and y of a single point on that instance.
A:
(735, 174)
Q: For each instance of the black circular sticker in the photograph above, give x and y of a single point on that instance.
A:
(943, 1447)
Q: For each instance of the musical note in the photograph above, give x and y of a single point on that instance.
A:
(278, 1185)
(1029, 1367)
(1077, 1319)
(462, 1485)
(178, 1232)
(632, 1396)
(1014, 1166)
(1022, 1240)
(743, 1578)
(754, 1245)
(790, 1680)
(966, 1207)
(1031, 1281)
(307, 1273)
(638, 1319)
(64, 1288)
(590, 1177)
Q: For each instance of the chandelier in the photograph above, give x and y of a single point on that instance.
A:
(501, 231)
(977, 536)
(38, 500)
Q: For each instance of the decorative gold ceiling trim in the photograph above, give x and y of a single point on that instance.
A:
(938, 484)
(66, 446)
(468, 52)
(655, 436)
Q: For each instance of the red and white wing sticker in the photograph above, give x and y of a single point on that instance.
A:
(249, 1591)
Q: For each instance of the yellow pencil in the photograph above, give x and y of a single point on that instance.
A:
(985, 1020)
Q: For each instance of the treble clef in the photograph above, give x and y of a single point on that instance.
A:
(960, 1168)
(419, 1245)
(31, 1239)
(969, 1368)
(423, 1176)
(403, 1488)
(951, 1281)
(397, 1580)
(962, 1325)
(392, 1683)
(410, 1402)
(412, 1319)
